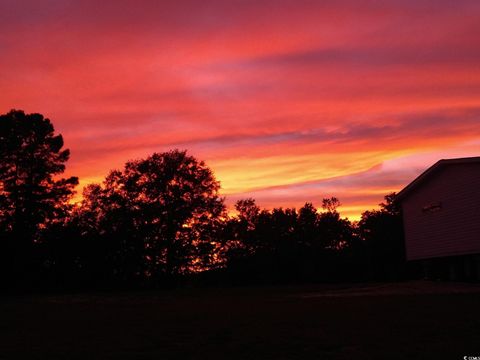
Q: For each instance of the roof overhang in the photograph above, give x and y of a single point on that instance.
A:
(432, 169)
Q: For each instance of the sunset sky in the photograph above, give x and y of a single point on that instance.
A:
(287, 101)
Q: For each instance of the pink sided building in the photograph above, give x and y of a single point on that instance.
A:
(441, 216)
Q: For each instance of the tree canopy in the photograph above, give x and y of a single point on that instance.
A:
(32, 157)
(164, 211)
(32, 195)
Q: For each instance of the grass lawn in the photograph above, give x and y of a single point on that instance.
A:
(382, 321)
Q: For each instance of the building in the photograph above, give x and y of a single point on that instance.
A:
(441, 215)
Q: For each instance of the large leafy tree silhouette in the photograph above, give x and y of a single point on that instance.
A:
(161, 215)
(382, 232)
(32, 196)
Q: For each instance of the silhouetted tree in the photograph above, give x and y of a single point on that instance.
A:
(331, 204)
(247, 212)
(286, 245)
(308, 222)
(246, 223)
(160, 216)
(240, 232)
(335, 232)
(32, 197)
(382, 231)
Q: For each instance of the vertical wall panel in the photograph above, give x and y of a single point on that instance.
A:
(442, 213)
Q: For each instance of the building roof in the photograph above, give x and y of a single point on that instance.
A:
(432, 169)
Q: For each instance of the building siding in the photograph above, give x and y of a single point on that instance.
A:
(442, 215)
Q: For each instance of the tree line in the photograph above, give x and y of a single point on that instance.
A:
(161, 220)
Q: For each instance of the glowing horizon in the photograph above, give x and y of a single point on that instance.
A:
(287, 101)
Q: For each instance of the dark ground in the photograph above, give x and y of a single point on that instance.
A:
(397, 321)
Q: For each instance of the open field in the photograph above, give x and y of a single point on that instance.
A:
(383, 321)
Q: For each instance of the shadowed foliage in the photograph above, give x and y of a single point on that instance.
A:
(382, 231)
(32, 197)
(158, 217)
(286, 245)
